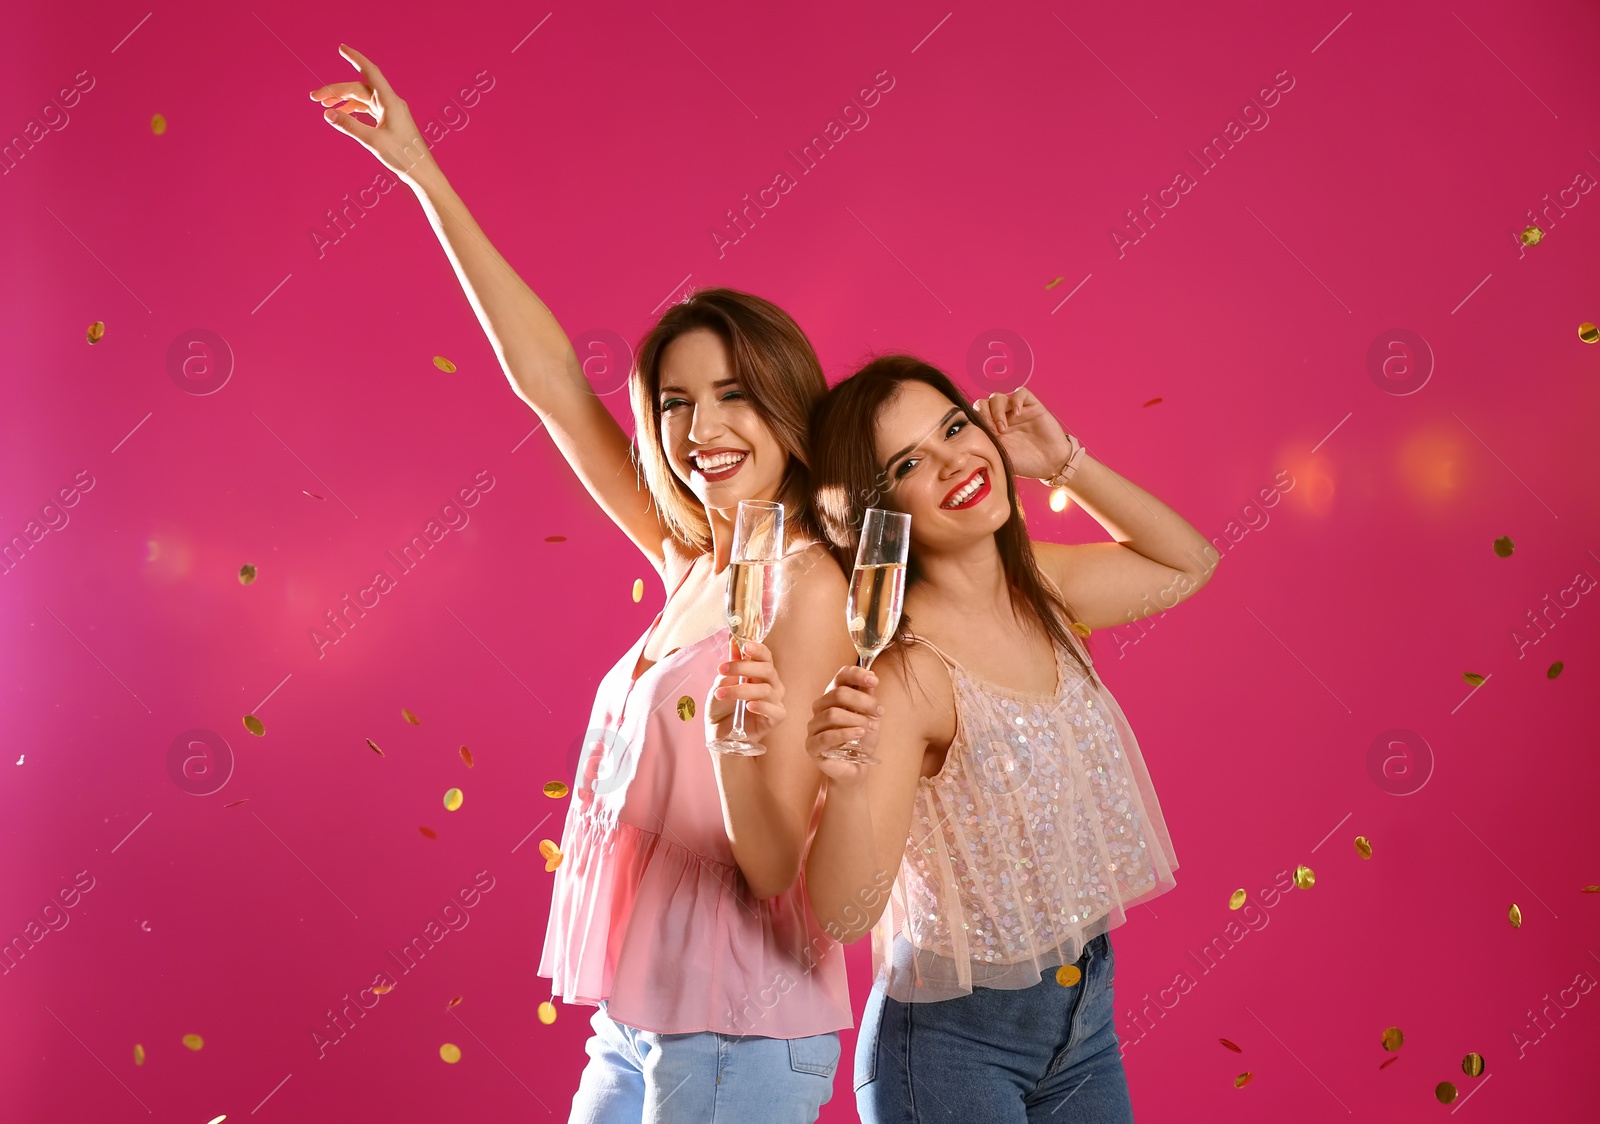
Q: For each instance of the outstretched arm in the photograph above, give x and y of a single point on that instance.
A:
(532, 348)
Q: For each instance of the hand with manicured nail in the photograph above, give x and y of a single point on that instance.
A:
(1033, 439)
(753, 679)
(848, 709)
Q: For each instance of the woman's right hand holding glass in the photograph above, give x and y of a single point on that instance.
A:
(848, 709)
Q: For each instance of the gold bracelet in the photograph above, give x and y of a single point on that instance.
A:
(1070, 466)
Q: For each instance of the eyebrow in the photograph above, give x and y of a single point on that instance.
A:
(944, 421)
(680, 390)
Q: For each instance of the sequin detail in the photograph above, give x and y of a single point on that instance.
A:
(1038, 833)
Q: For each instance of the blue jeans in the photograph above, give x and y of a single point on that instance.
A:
(640, 1077)
(1041, 1054)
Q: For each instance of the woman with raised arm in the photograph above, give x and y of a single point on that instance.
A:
(677, 910)
(1009, 802)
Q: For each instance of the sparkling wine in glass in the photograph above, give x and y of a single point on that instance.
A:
(754, 579)
(877, 592)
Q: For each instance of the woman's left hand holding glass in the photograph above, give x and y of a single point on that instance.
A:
(761, 690)
(1033, 439)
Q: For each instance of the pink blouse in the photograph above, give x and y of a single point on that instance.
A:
(649, 911)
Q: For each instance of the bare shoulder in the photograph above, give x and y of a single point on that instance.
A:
(915, 683)
(1054, 559)
(813, 583)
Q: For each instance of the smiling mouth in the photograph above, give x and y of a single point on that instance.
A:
(715, 465)
(969, 492)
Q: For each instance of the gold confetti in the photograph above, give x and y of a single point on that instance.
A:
(1152, 402)
(1504, 547)
(466, 755)
(236, 803)
(313, 495)
(686, 708)
(383, 989)
(247, 574)
(95, 332)
(456, 1002)
(1473, 678)
(1230, 1046)
(138, 1054)
(1554, 670)
(552, 855)
(193, 1041)
(1590, 890)
(1393, 1039)
(1068, 975)
(1053, 284)
(555, 790)
(375, 749)
(158, 124)
(1081, 629)
(450, 1052)
(1472, 1065)
(253, 724)
(638, 590)
(1532, 236)
(1515, 916)
(547, 1012)
(555, 538)
(1445, 1091)
(409, 717)
(1363, 848)
(1243, 1079)
(1236, 899)
(1058, 499)
(444, 364)
(1304, 877)
(1588, 333)
(429, 832)
(1389, 1061)
(452, 800)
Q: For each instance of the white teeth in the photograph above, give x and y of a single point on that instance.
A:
(720, 460)
(966, 493)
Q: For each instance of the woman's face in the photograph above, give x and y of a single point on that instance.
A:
(715, 441)
(941, 468)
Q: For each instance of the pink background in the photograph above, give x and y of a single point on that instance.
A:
(1383, 194)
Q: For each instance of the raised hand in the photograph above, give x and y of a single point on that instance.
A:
(394, 139)
(848, 709)
(1033, 439)
(762, 692)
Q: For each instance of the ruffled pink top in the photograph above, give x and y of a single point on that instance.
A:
(649, 911)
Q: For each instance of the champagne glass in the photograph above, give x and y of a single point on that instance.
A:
(754, 577)
(877, 592)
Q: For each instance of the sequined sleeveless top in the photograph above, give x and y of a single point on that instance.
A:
(1037, 835)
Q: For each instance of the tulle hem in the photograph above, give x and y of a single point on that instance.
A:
(911, 974)
(675, 942)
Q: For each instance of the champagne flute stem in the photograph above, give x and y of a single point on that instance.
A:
(738, 708)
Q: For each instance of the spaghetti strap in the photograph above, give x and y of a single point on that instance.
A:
(949, 660)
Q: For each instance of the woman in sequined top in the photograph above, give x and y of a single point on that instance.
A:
(1010, 822)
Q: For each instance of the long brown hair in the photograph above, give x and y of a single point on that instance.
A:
(782, 379)
(848, 479)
